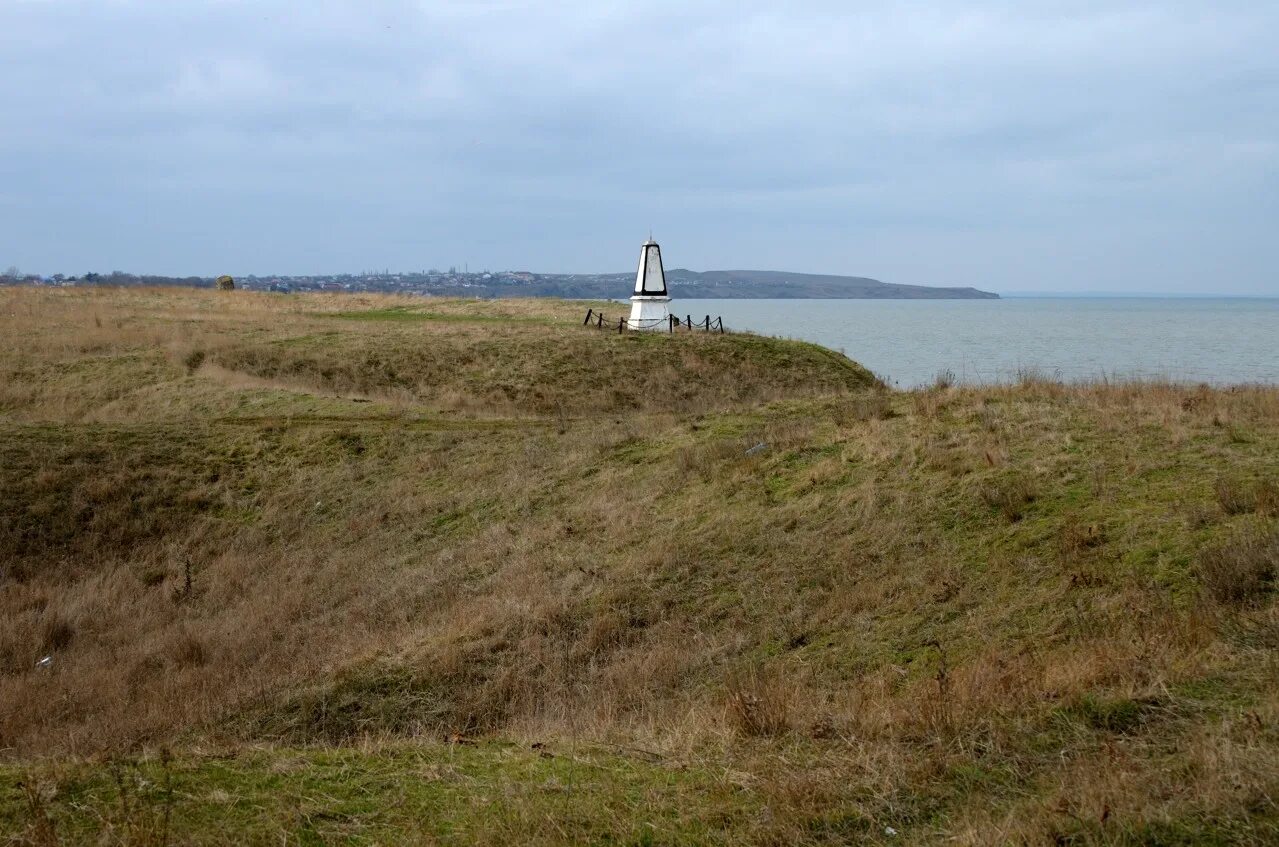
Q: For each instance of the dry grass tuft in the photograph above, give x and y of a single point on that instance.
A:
(186, 650)
(41, 831)
(1241, 570)
(193, 360)
(758, 703)
(1244, 496)
(1010, 497)
(56, 633)
(1079, 537)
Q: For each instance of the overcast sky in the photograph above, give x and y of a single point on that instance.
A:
(1019, 146)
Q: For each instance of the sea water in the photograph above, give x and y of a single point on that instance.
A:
(910, 342)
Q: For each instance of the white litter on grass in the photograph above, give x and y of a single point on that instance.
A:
(46, 662)
(758, 448)
(889, 831)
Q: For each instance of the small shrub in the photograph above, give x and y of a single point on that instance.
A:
(1241, 570)
(944, 379)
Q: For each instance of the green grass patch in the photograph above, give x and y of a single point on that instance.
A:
(1118, 714)
(488, 793)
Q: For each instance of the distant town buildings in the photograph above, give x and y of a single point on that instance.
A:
(427, 283)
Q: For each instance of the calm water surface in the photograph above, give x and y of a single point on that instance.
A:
(909, 342)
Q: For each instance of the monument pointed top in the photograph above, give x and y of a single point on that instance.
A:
(650, 279)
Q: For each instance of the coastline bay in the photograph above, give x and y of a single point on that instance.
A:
(909, 342)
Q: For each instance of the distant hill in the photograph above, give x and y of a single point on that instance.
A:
(753, 285)
(786, 284)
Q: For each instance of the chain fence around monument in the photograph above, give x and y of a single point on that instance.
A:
(669, 323)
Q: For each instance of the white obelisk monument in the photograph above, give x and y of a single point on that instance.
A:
(650, 307)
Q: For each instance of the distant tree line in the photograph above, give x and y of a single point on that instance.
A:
(122, 278)
(12, 275)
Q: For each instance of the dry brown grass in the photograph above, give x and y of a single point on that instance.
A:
(1241, 496)
(1010, 496)
(1241, 570)
(758, 703)
(969, 613)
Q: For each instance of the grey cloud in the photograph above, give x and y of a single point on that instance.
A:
(1128, 145)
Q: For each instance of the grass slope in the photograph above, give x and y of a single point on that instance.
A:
(379, 569)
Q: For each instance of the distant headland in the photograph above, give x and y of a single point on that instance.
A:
(784, 284)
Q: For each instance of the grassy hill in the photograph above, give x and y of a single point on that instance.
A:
(334, 569)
